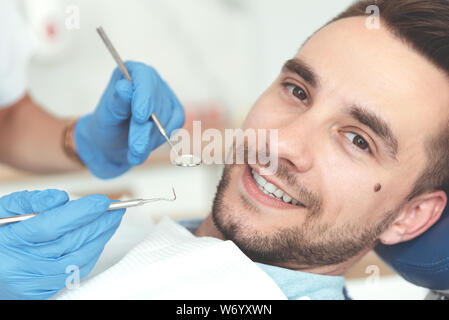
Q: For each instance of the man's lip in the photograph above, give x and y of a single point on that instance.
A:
(254, 192)
(275, 183)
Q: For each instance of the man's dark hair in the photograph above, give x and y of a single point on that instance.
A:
(424, 26)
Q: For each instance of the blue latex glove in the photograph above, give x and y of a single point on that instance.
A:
(35, 254)
(120, 134)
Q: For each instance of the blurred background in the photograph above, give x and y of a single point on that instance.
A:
(217, 55)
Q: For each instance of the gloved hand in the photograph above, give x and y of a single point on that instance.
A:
(120, 134)
(35, 254)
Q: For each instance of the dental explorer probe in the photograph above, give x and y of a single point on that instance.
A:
(113, 206)
(187, 160)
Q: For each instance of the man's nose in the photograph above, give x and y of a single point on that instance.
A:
(296, 141)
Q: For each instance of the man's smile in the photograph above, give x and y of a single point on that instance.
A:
(264, 191)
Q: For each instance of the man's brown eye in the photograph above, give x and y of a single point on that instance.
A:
(297, 92)
(358, 141)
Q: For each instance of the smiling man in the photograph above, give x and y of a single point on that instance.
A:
(363, 148)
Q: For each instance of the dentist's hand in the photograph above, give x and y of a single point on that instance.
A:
(35, 254)
(120, 133)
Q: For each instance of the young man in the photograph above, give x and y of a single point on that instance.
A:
(362, 116)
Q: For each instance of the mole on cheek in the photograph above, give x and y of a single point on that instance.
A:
(377, 187)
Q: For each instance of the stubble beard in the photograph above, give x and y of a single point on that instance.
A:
(311, 244)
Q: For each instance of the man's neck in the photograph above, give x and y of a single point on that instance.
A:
(208, 229)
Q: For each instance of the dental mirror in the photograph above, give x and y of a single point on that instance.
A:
(187, 160)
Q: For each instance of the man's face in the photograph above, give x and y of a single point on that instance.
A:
(354, 109)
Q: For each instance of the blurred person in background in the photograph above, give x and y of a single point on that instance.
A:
(108, 142)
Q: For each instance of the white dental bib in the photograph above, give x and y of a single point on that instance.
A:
(171, 263)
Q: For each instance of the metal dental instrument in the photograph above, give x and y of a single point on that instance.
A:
(113, 206)
(187, 160)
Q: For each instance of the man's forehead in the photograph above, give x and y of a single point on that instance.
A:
(374, 68)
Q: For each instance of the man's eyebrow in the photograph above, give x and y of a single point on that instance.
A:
(379, 126)
(303, 70)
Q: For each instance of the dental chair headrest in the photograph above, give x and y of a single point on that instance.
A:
(423, 261)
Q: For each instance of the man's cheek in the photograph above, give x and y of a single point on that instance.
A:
(256, 119)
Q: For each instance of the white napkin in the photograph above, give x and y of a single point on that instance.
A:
(171, 263)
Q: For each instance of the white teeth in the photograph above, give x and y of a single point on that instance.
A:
(278, 193)
(259, 179)
(271, 190)
(270, 187)
(286, 198)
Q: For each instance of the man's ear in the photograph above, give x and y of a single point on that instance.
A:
(415, 217)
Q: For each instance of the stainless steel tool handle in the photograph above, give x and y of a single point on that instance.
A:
(126, 74)
(18, 218)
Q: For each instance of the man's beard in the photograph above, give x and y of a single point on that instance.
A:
(311, 244)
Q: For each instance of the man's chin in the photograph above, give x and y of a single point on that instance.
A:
(240, 220)
(282, 241)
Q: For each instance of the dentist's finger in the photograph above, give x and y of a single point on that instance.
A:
(54, 223)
